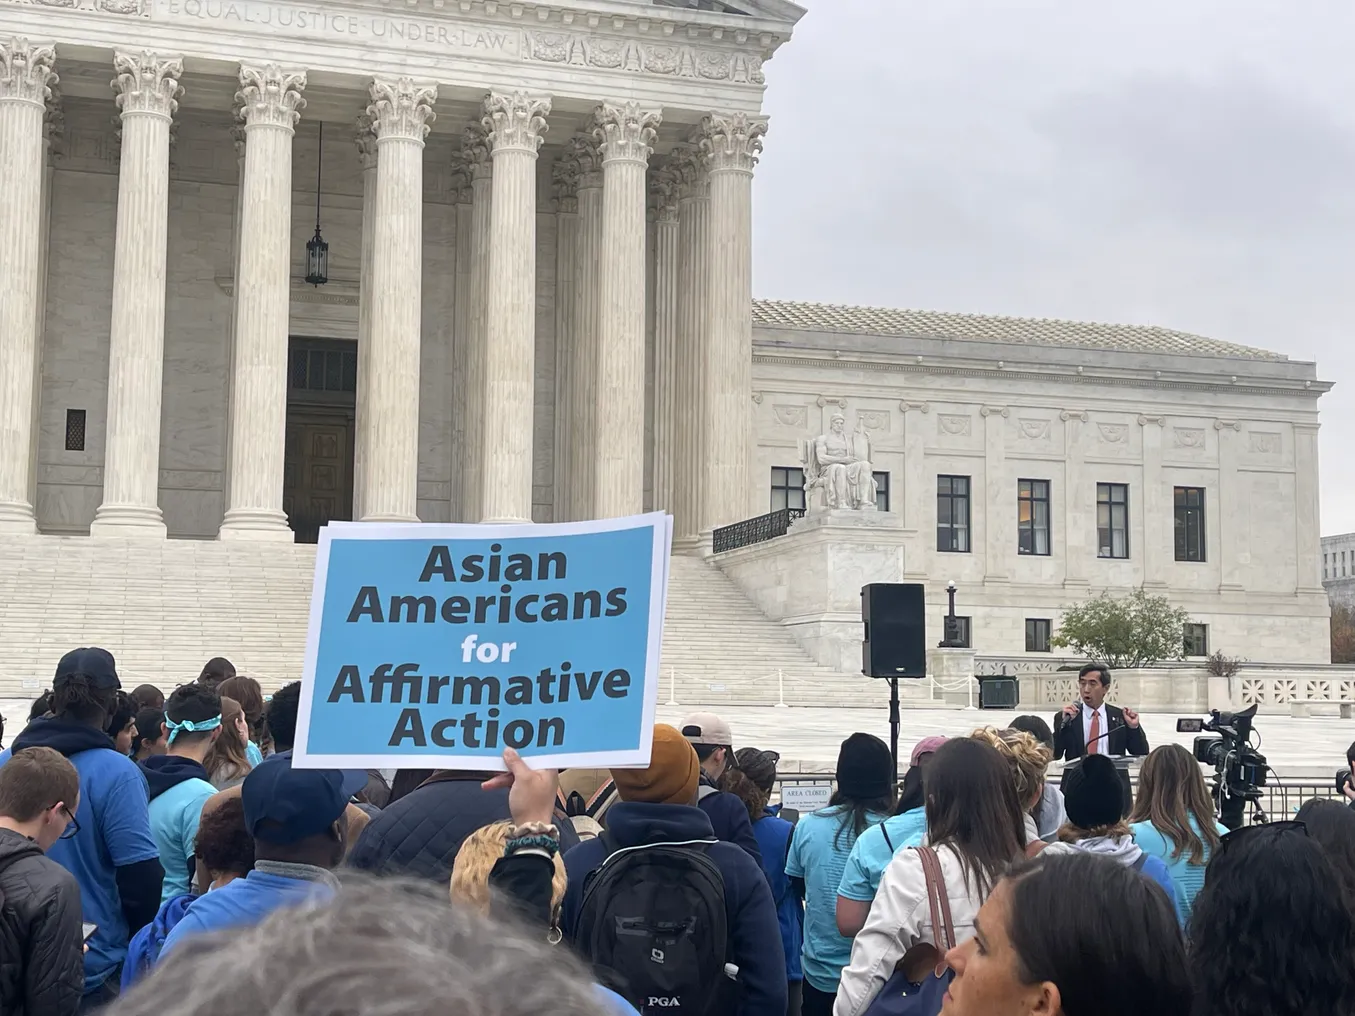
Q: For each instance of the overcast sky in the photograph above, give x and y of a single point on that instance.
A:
(1186, 164)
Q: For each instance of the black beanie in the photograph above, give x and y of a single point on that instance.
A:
(1092, 794)
(865, 769)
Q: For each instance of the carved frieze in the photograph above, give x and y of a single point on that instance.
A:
(953, 425)
(1113, 433)
(669, 60)
(1265, 442)
(874, 419)
(790, 416)
(1032, 429)
(1188, 437)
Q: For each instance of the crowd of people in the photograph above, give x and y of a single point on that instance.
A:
(162, 855)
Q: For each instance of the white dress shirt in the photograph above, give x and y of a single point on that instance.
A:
(1102, 745)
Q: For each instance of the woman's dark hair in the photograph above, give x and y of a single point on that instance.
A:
(224, 844)
(149, 696)
(911, 794)
(249, 694)
(123, 713)
(280, 716)
(216, 670)
(80, 701)
(750, 778)
(1111, 945)
(1036, 728)
(1332, 825)
(972, 808)
(149, 727)
(1269, 936)
(42, 705)
(858, 814)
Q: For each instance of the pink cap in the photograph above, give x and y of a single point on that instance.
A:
(925, 747)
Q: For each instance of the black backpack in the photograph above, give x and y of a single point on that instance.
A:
(652, 924)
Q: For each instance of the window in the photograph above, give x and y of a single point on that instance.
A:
(1037, 634)
(1324, 565)
(881, 491)
(1032, 517)
(962, 631)
(952, 514)
(788, 488)
(75, 430)
(1112, 520)
(1189, 508)
(323, 370)
(1196, 639)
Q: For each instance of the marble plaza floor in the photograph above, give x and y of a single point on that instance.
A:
(808, 739)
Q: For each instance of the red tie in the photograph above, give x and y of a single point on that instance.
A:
(1094, 742)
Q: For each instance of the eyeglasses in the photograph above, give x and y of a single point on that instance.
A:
(71, 831)
(1238, 835)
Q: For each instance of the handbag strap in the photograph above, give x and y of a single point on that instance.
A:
(938, 899)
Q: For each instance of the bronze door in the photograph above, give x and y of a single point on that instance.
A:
(318, 470)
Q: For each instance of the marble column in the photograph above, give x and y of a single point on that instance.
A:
(515, 124)
(1307, 523)
(1079, 503)
(478, 159)
(1232, 532)
(665, 301)
(625, 134)
(238, 142)
(919, 499)
(730, 145)
(364, 139)
(587, 320)
(148, 87)
(999, 497)
(26, 78)
(689, 367)
(1158, 536)
(565, 184)
(270, 104)
(461, 340)
(53, 128)
(402, 112)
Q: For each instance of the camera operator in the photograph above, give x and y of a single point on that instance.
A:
(1090, 727)
(1345, 778)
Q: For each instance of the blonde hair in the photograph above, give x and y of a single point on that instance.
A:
(1026, 756)
(475, 860)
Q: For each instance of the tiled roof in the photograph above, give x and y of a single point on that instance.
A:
(922, 324)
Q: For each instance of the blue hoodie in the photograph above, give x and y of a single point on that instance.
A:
(144, 949)
(754, 935)
(773, 838)
(178, 789)
(728, 817)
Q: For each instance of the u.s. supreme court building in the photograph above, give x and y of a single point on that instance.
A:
(268, 264)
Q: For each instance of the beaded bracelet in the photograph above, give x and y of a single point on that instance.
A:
(517, 844)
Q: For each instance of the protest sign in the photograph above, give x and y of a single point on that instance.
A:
(437, 646)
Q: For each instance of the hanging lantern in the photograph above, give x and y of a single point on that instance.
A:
(317, 251)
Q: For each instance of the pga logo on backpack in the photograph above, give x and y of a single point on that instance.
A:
(437, 646)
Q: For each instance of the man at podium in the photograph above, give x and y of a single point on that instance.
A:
(1091, 727)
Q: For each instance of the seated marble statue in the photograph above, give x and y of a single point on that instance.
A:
(837, 469)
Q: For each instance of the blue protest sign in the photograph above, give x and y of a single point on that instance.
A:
(437, 646)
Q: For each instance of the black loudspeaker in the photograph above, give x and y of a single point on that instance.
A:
(895, 643)
(999, 693)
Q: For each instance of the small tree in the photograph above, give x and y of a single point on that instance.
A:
(1342, 633)
(1220, 665)
(1127, 632)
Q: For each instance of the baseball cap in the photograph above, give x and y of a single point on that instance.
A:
(706, 728)
(95, 664)
(283, 804)
(926, 746)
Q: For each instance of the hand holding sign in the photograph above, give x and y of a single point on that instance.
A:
(442, 645)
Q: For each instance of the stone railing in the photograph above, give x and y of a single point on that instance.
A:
(751, 531)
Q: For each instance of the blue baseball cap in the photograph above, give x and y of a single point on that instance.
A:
(284, 805)
(95, 664)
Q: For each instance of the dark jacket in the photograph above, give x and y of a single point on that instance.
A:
(164, 772)
(420, 833)
(754, 934)
(1117, 739)
(728, 817)
(42, 967)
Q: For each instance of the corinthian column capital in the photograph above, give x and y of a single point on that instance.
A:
(270, 96)
(624, 132)
(689, 169)
(584, 152)
(565, 184)
(515, 121)
(475, 151)
(402, 109)
(664, 184)
(26, 73)
(364, 139)
(147, 83)
(732, 143)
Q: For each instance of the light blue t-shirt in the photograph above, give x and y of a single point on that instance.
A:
(175, 815)
(252, 754)
(1187, 878)
(115, 831)
(871, 856)
(818, 854)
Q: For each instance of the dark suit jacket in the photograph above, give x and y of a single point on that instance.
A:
(1122, 739)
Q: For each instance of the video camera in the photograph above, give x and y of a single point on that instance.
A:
(1239, 769)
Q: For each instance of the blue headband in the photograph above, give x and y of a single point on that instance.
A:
(191, 726)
